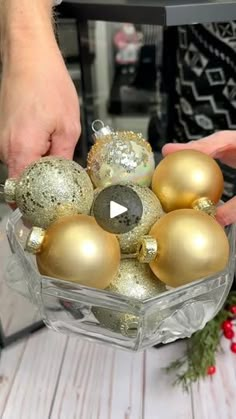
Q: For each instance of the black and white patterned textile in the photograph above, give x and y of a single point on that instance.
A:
(205, 86)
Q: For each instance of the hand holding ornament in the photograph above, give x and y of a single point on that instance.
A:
(222, 146)
(39, 108)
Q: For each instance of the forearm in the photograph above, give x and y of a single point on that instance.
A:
(24, 25)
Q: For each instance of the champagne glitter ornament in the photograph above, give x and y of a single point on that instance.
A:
(120, 157)
(184, 246)
(152, 211)
(76, 249)
(188, 179)
(49, 189)
(134, 280)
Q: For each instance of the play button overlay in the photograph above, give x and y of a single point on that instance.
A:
(117, 209)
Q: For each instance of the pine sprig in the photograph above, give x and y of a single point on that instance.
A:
(201, 349)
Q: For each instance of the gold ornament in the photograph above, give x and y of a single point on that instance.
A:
(50, 188)
(134, 280)
(120, 157)
(152, 211)
(188, 179)
(190, 245)
(76, 249)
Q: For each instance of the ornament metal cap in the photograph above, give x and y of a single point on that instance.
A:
(129, 326)
(102, 131)
(206, 205)
(147, 249)
(10, 190)
(35, 240)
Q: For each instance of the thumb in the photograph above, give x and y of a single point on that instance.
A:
(172, 147)
(226, 213)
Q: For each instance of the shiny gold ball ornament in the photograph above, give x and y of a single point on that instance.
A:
(120, 157)
(76, 249)
(188, 179)
(152, 211)
(50, 188)
(184, 246)
(134, 280)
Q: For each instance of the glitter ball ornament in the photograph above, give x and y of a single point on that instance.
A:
(50, 188)
(184, 246)
(188, 179)
(76, 249)
(133, 280)
(152, 211)
(120, 157)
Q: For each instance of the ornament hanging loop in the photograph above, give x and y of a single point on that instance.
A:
(98, 123)
(100, 129)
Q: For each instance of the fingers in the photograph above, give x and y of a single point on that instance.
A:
(64, 141)
(22, 151)
(28, 145)
(226, 213)
(16, 164)
(221, 145)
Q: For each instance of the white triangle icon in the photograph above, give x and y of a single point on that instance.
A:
(116, 209)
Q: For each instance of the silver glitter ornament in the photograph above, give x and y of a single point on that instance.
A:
(120, 157)
(152, 211)
(50, 188)
(134, 280)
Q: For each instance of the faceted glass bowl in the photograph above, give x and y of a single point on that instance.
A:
(135, 325)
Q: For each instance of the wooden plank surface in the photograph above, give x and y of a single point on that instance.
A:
(215, 398)
(162, 400)
(9, 365)
(99, 382)
(36, 378)
(50, 376)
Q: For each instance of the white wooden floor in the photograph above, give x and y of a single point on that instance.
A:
(52, 376)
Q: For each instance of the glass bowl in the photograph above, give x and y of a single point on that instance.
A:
(135, 325)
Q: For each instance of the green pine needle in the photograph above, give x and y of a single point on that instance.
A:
(201, 350)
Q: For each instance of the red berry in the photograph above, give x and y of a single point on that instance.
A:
(227, 325)
(233, 347)
(233, 309)
(228, 334)
(211, 370)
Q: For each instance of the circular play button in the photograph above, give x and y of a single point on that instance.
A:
(118, 209)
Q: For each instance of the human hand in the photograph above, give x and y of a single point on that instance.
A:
(221, 146)
(39, 109)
